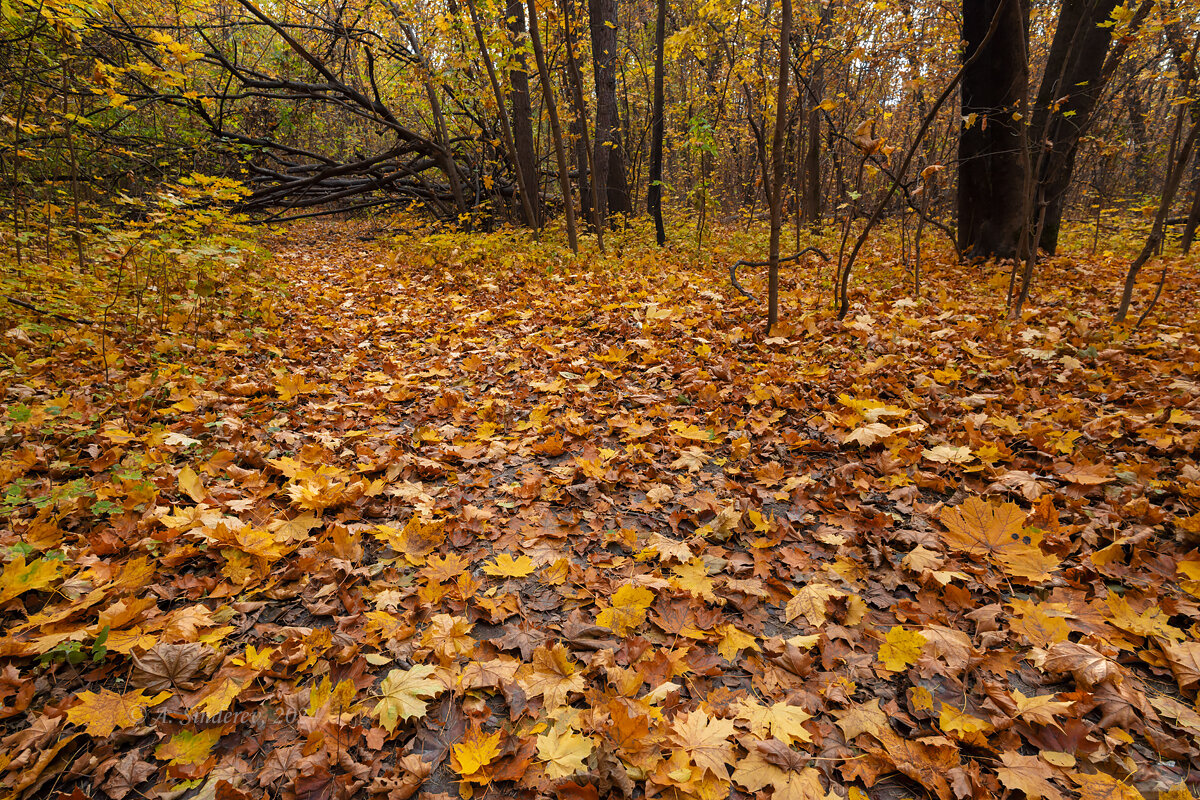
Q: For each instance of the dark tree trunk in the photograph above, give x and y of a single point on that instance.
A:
(775, 188)
(560, 150)
(608, 155)
(811, 200)
(1065, 102)
(522, 112)
(1193, 219)
(579, 119)
(654, 192)
(992, 169)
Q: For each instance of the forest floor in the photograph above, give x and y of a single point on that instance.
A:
(461, 516)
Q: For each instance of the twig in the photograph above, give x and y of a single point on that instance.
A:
(744, 262)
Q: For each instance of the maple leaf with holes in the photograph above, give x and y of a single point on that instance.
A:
(978, 528)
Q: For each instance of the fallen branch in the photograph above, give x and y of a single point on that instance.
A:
(44, 312)
(733, 268)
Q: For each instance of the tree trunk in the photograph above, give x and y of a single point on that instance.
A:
(1193, 219)
(654, 192)
(777, 148)
(612, 196)
(560, 151)
(992, 176)
(579, 129)
(1070, 88)
(505, 128)
(522, 112)
(1170, 187)
(811, 201)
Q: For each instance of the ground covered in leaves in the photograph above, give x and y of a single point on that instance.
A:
(459, 516)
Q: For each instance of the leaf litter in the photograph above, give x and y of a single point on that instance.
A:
(468, 524)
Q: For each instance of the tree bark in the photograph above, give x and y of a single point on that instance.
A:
(811, 201)
(1070, 88)
(560, 152)
(522, 112)
(586, 166)
(992, 174)
(1193, 219)
(505, 128)
(777, 148)
(654, 191)
(612, 196)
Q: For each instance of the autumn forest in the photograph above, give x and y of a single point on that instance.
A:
(588, 399)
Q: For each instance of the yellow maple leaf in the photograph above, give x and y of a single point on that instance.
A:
(964, 727)
(980, 529)
(900, 648)
(191, 485)
(1042, 709)
(505, 566)
(706, 740)
(186, 747)
(289, 386)
(474, 753)
(812, 601)
(778, 720)
(733, 641)
(104, 712)
(563, 752)
(862, 718)
(403, 694)
(295, 530)
(449, 636)
(19, 577)
(998, 532)
(692, 577)
(220, 698)
(255, 658)
(628, 609)
(554, 675)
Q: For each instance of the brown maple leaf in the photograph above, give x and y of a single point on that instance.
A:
(171, 666)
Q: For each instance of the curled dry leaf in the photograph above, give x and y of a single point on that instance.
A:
(1087, 665)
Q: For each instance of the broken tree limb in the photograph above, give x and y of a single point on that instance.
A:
(746, 263)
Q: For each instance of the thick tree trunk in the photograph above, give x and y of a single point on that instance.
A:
(654, 191)
(608, 156)
(522, 112)
(992, 174)
(1070, 88)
